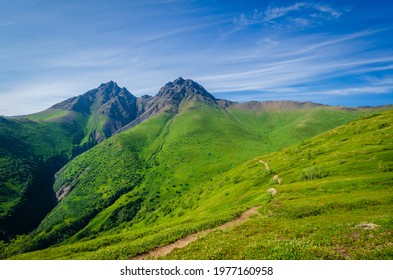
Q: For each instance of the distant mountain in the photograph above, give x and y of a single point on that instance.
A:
(276, 105)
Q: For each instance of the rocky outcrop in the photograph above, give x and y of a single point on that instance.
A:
(169, 98)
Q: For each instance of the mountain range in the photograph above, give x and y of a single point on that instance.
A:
(96, 172)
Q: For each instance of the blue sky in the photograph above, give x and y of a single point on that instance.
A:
(332, 52)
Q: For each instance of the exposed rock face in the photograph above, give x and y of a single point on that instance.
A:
(114, 109)
(181, 89)
(110, 106)
(109, 99)
(169, 98)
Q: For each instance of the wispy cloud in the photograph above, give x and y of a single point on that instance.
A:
(326, 63)
(272, 13)
(326, 11)
(234, 50)
(36, 96)
(6, 23)
(301, 14)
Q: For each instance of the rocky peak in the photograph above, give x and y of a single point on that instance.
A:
(169, 99)
(180, 89)
(109, 91)
(179, 81)
(109, 85)
(105, 93)
(117, 106)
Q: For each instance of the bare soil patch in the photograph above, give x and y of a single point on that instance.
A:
(183, 242)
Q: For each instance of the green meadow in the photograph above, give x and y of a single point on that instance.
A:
(181, 173)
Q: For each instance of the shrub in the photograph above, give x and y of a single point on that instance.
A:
(313, 173)
(236, 179)
(384, 167)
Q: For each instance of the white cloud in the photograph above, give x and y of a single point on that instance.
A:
(298, 15)
(319, 61)
(301, 22)
(144, 55)
(328, 10)
(34, 97)
(6, 23)
(277, 12)
(360, 90)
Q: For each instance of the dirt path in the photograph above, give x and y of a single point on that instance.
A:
(162, 251)
(267, 168)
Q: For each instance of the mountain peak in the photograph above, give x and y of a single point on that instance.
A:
(109, 88)
(180, 89)
(108, 85)
(109, 104)
(179, 81)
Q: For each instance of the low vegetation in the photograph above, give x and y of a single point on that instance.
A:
(176, 175)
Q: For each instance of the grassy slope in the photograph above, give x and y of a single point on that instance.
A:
(88, 124)
(28, 150)
(32, 148)
(173, 157)
(48, 115)
(284, 128)
(332, 184)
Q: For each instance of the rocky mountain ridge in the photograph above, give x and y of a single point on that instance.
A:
(117, 109)
(187, 127)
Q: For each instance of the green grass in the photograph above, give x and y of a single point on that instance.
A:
(173, 175)
(30, 153)
(48, 115)
(156, 161)
(319, 218)
(283, 128)
(94, 125)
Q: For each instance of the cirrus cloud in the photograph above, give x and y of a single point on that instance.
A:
(301, 14)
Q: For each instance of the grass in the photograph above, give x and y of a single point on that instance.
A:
(174, 175)
(48, 115)
(319, 217)
(32, 149)
(30, 153)
(152, 163)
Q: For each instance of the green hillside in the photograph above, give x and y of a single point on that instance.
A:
(172, 175)
(30, 153)
(34, 147)
(335, 200)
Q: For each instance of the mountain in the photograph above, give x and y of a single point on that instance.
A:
(333, 202)
(34, 147)
(148, 159)
(169, 98)
(102, 111)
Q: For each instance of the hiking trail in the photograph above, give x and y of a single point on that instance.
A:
(267, 168)
(165, 250)
(275, 177)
